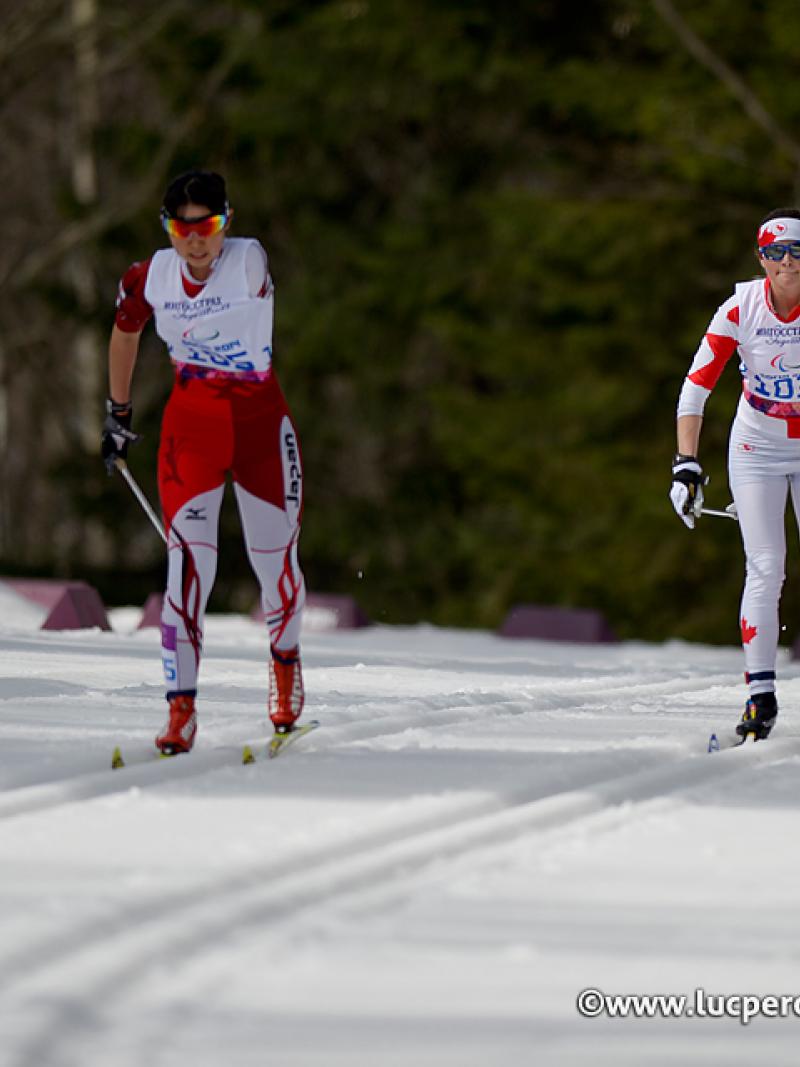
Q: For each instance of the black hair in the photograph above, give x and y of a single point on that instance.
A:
(203, 187)
(781, 213)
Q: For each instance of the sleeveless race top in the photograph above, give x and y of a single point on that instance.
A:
(222, 331)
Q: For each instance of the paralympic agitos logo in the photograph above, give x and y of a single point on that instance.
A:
(195, 335)
(783, 364)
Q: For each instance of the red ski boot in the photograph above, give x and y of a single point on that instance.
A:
(286, 693)
(178, 735)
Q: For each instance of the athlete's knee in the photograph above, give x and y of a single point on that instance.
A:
(765, 571)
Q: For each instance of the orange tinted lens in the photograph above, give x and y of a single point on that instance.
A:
(206, 227)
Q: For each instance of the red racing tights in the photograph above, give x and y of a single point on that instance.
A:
(213, 428)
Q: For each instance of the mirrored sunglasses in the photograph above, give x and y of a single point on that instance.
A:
(207, 226)
(776, 252)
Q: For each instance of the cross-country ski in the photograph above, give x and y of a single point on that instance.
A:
(248, 752)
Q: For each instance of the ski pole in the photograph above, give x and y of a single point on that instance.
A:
(730, 512)
(122, 467)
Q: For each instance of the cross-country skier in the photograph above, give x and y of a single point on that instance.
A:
(211, 296)
(760, 322)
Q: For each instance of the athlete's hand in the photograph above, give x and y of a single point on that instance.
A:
(686, 493)
(117, 433)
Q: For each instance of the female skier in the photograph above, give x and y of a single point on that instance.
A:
(761, 323)
(212, 299)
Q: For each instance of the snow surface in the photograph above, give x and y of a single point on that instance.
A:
(481, 829)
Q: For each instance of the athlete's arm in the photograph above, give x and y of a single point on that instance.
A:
(132, 315)
(689, 427)
(717, 347)
(123, 348)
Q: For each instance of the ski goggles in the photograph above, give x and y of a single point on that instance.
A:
(207, 226)
(776, 252)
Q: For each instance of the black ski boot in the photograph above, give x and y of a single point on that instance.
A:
(760, 713)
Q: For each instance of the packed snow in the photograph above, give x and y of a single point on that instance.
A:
(481, 829)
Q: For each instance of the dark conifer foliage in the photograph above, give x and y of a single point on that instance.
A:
(497, 233)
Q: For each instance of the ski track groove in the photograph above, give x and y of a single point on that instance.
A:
(273, 895)
(83, 786)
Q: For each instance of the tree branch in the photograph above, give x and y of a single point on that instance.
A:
(27, 24)
(139, 35)
(729, 78)
(40, 260)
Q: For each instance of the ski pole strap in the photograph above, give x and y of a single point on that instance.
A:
(119, 411)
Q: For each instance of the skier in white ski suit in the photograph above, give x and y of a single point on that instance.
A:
(760, 322)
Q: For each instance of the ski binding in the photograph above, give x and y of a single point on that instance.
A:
(281, 741)
(732, 741)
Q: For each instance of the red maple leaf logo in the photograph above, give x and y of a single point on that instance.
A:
(767, 235)
(748, 631)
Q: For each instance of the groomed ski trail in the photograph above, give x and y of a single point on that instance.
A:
(120, 952)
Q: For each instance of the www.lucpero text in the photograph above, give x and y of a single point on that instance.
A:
(593, 1003)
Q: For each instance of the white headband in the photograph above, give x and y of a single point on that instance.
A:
(779, 230)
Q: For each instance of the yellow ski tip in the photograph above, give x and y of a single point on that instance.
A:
(116, 760)
(247, 755)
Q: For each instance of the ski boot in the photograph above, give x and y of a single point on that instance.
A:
(286, 693)
(760, 713)
(179, 733)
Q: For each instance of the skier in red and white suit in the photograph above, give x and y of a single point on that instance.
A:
(212, 299)
(761, 324)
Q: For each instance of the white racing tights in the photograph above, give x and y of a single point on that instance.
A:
(271, 539)
(762, 474)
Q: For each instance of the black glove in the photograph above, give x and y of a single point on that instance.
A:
(686, 493)
(117, 433)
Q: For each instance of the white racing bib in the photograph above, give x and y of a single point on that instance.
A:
(223, 329)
